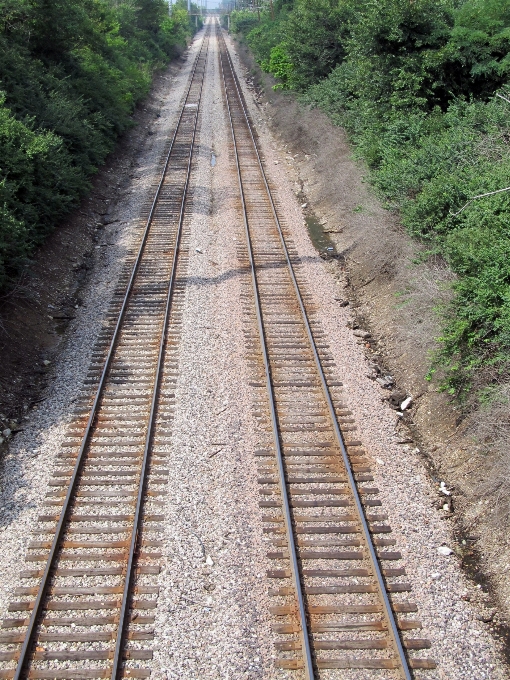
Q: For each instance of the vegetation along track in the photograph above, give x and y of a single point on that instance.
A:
(86, 609)
(337, 591)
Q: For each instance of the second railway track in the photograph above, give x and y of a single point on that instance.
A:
(87, 609)
(340, 600)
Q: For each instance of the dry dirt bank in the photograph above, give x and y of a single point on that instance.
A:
(394, 300)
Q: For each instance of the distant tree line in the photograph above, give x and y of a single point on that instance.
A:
(422, 87)
(71, 73)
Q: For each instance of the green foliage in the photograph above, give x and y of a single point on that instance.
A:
(243, 21)
(314, 34)
(263, 38)
(414, 83)
(280, 66)
(71, 72)
(480, 46)
(38, 185)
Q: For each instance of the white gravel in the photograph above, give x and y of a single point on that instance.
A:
(212, 610)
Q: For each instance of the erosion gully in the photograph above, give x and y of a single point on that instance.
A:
(339, 596)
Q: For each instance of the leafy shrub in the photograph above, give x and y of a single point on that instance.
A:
(243, 21)
(280, 66)
(314, 35)
(71, 73)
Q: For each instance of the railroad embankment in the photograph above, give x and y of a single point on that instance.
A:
(394, 294)
(201, 356)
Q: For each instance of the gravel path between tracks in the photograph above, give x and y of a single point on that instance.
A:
(212, 617)
(462, 645)
(28, 463)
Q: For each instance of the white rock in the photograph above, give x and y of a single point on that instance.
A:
(198, 250)
(46, 362)
(406, 403)
(304, 205)
(444, 550)
(2, 440)
(7, 433)
(379, 461)
(209, 561)
(435, 575)
(444, 490)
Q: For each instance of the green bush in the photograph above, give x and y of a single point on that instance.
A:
(314, 35)
(280, 66)
(71, 73)
(243, 21)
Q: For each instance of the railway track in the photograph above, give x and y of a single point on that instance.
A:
(86, 609)
(340, 596)
(340, 599)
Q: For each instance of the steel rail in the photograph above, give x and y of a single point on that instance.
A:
(307, 652)
(60, 529)
(388, 612)
(155, 394)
